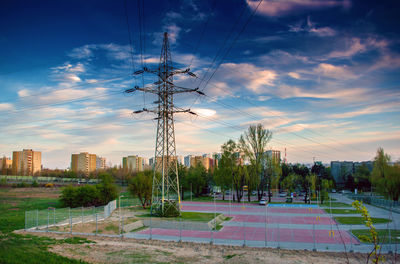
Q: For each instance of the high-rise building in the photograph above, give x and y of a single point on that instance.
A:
(133, 163)
(186, 161)
(340, 171)
(83, 162)
(100, 163)
(5, 164)
(26, 162)
(274, 155)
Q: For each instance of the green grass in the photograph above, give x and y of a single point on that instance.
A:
(355, 220)
(26, 249)
(335, 204)
(188, 216)
(112, 227)
(77, 240)
(19, 249)
(340, 211)
(383, 235)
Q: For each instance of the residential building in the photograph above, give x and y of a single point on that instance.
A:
(340, 170)
(5, 163)
(133, 163)
(274, 154)
(26, 162)
(100, 163)
(186, 161)
(84, 162)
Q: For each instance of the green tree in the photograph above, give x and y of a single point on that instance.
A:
(291, 182)
(253, 144)
(362, 178)
(141, 186)
(184, 184)
(107, 189)
(386, 178)
(197, 175)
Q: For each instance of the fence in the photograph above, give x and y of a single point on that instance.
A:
(377, 201)
(40, 179)
(294, 226)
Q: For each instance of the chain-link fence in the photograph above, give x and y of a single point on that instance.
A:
(377, 201)
(288, 226)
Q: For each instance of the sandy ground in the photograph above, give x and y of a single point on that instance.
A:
(118, 250)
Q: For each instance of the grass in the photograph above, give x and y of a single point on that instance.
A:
(383, 235)
(355, 220)
(20, 249)
(188, 216)
(27, 249)
(335, 204)
(340, 211)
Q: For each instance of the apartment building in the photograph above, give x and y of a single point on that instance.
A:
(133, 163)
(83, 162)
(26, 162)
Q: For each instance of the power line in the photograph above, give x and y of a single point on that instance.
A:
(202, 33)
(130, 40)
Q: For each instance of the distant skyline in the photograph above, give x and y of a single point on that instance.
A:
(322, 75)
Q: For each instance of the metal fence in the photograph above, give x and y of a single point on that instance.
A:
(377, 201)
(41, 179)
(306, 227)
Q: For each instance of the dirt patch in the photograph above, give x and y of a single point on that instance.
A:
(117, 250)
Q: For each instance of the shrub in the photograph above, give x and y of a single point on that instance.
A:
(89, 195)
(170, 209)
(3, 182)
(22, 185)
(35, 184)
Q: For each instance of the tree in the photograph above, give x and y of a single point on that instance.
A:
(305, 179)
(362, 178)
(253, 144)
(385, 177)
(141, 185)
(197, 175)
(108, 190)
(290, 182)
(184, 184)
(222, 177)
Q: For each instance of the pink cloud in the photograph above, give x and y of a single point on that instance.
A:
(276, 8)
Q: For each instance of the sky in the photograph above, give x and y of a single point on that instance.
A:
(322, 75)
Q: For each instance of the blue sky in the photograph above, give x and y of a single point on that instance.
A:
(323, 75)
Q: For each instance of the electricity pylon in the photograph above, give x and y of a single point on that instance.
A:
(165, 193)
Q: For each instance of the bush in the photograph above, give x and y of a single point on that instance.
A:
(22, 185)
(89, 195)
(3, 182)
(170, 209)
(35, 184)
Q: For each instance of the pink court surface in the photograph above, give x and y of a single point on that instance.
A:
(284, 224)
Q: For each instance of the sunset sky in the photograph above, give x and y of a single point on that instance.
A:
(323, 75)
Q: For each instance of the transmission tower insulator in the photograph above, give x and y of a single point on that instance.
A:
(138, 72)
(192, 74)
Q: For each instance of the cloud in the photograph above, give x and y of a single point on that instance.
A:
(246, 75)
(294, 75)
(6, 106)
(204, 112)
(354, 46)
(287, 91)
(332, 71)
(376, 109)
(312, 28)
(275, 8)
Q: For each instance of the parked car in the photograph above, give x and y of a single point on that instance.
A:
(333, 191)
(283, 194)
(263, 202)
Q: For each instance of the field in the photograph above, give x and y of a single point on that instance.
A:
(23, 247)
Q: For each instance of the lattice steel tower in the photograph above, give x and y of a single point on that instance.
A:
(165, 194)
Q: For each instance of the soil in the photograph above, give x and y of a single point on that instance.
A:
(123, 250)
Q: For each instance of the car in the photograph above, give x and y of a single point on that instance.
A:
(333, 191)
(254, 192)
(283, 194)
(262, 202)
